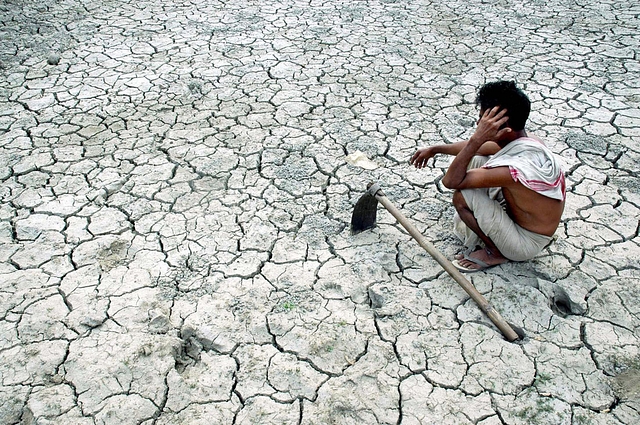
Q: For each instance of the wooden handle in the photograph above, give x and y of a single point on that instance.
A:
(482, 302)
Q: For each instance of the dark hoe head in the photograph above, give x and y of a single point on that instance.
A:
(364, 213)
(519, 331)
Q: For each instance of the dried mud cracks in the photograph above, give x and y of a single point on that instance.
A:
(175, 200)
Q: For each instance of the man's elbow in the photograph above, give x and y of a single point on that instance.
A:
(448, 183)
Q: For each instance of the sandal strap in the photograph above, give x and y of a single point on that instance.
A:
(476, 261)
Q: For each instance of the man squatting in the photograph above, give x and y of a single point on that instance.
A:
(509, 190)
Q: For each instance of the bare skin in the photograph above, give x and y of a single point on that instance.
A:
(528, 209)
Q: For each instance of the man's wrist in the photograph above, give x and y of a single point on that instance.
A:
(475, 141)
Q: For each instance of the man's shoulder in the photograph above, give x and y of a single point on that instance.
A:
(529, 140)
(528, 146)
(523, 151)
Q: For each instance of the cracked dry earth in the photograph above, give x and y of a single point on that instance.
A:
(176, 195)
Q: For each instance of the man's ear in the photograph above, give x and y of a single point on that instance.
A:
(505, 131)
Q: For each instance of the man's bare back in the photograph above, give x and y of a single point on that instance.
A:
(532, 211)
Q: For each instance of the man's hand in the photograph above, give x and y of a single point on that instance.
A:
(490, 126)
(422, 155)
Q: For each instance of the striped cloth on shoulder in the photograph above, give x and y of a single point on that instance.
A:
(533, 165)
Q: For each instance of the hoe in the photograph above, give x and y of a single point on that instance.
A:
(364, 217)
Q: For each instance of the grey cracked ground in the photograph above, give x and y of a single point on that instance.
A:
(175, 199)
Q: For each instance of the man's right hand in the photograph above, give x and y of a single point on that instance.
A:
(491, 126)
(422, 155)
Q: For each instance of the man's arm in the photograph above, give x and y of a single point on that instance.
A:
(422, 155)
(489, 128)
(485, 177)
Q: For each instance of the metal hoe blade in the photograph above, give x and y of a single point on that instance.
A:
(364, 213)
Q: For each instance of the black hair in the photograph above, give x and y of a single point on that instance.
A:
(506, 95)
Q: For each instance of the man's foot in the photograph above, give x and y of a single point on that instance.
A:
(467, 251)
(478, 260)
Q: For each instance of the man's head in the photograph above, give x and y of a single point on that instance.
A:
(506, 95)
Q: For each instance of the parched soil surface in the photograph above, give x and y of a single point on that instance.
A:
(176, 185)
